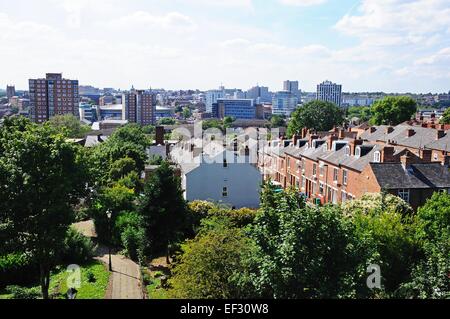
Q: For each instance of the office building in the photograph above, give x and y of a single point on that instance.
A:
(293, 87)
(211, 98)
(10, 91)
(244, 109)
(140, 107)
(284, 103)
(52, 96)
(260, 94)
(330, 92)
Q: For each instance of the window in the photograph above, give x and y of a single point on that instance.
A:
(344, 197)
(321, 189)
(314, 169)
(225, 163)
(377, 157)
(322, 169)
(404, 194)
(435, 156)
(344, 177)
(225, 192)
(347, 150)
(303, 182)
(358, 152)
(335, 175)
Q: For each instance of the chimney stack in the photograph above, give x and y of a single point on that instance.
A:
(426, 155)
(406, 160)
(353, 144)
(341, 134)
(295, 139)
(387, 154)
(389, 130)
(372, 129)
(330, 141)
(410, 132)
(160, 135)
(304, 132)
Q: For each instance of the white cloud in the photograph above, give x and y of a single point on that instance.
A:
(173, 21)
(302, 3)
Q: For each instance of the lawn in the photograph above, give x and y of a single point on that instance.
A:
(94, 282)
(154, 290)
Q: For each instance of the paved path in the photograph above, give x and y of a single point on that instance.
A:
(126, 283)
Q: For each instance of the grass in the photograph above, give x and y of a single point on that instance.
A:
(154, 290)
(88, 290)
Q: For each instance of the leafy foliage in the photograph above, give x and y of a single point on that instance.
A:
(393, 110)
(70, 125)
(315, 115)
(209, 263)
(446, 117)
(41, 177)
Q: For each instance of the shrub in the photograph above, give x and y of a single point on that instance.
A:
(77, 248)
(375, 203)
(90, 276)
(17, 269)
(23, 293)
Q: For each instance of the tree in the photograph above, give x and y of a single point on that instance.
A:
(187, 113)
(167, 121)
(208, 264)
(446, 117)
(277, 121)
(302, 252)
(70, 124)
(361, 112)
(41, 178)
(127, 144)
(315, 115)
(228, 121)
(393, 110)
(121, 168)
(430, 276)
(163, 209)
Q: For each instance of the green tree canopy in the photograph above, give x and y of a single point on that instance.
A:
(163, 209)
(430, 277)
(208, 264)
(302, 252)
(361, 112)
(315, 115)
(277, 121)
(70, 125)
(167, 121)
(393, 110)
(41, 177)
(446, 117)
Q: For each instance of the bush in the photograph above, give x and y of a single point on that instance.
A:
(78, 249)
(376, 203)
(17, 292)
(134, 242)
(17, 269)
(90, 276)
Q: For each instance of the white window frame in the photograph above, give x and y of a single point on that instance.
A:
(377, 157)
(405, 194)
(344, 177)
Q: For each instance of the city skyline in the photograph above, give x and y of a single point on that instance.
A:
(391, 46)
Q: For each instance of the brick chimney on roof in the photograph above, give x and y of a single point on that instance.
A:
(341, 134)
(330, 141)
(440, 134)
(373, 129)
(304, 132)
(295, 139)
(160, 135)
(410, 132)
(389, 130)
(387, 154)
(406, 160)
(353, 144)
(426, 155)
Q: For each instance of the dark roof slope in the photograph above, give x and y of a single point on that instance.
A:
(395, 176)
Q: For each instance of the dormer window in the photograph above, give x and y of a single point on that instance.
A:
(377, 157)
(347, 150)
(358, 152)
(325, 147)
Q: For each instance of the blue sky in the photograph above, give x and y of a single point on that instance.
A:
(366, 45)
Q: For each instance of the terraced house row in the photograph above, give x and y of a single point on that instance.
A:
(333, 167)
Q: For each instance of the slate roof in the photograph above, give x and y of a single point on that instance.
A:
(416, 176)
(422, 137)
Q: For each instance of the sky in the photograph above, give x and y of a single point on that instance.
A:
(365, 45)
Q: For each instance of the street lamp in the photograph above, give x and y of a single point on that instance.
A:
(109, 215)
